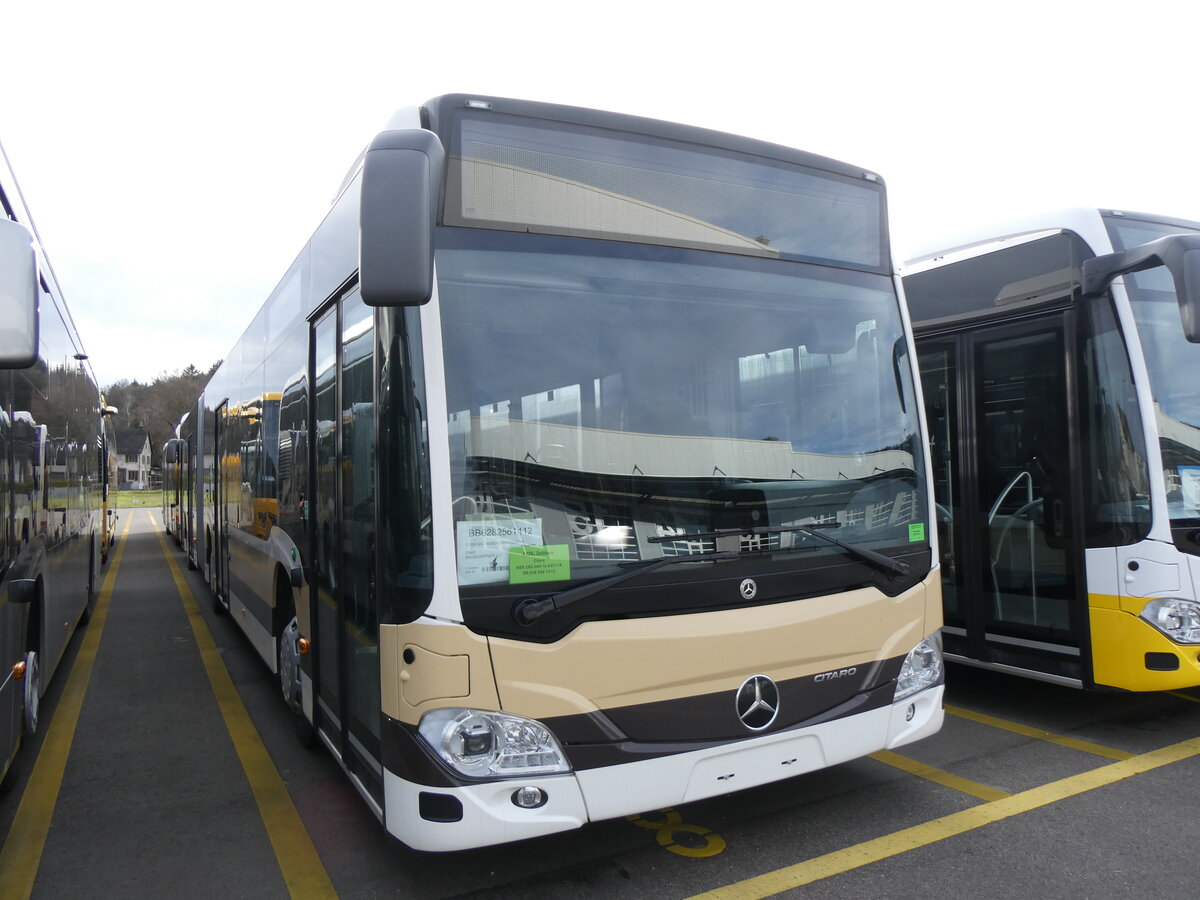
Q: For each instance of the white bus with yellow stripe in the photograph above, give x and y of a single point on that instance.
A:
(1059, 358)
(597, 473)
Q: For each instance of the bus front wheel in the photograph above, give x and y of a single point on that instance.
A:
(290, 682)
(31, 694)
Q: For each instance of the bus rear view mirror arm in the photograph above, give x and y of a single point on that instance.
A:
(1178, 253)
(401, 187)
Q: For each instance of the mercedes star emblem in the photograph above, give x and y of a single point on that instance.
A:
(757, 702)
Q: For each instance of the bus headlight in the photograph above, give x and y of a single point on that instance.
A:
(482, 744)
(922, 668)
(1177, 619)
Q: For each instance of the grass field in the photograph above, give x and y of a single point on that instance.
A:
(134, 499)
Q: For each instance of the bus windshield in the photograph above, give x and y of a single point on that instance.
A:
(607, 400)
(1172, 362)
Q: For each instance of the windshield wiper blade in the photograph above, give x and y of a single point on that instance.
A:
(529, 610)
(885, 563)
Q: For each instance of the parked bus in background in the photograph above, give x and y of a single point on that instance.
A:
(174, 486)
(108, 513)
(1060, 358)
(182, 472)
(185, 468)
(576, 468)
(189, 436)
(49, 480)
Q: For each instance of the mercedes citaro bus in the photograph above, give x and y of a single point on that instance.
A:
(593, 479)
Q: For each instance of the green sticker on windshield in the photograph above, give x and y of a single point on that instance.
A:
(529, 564)
(916, 532)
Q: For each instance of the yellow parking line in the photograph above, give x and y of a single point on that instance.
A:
(22, 851)
(1039, 734)
(299, 863)
(894, 844)
(939, 776)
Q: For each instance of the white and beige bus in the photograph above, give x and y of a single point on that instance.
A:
(576, 469)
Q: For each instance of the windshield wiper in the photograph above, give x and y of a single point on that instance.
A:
(529, 610)
(884, 563)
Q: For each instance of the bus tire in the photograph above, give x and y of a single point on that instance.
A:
(287, 666)
(31, 693)
(287, 663)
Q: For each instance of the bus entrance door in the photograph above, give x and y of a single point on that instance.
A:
(999, 413)
(223, 492)
(343, 522)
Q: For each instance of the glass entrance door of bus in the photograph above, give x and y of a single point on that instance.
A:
(999, 410)
(343, 536)
(221, 499)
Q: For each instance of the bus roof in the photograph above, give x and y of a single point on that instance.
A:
(1087, 222)
(965, 243)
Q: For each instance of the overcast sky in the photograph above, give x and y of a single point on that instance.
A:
(177, 156)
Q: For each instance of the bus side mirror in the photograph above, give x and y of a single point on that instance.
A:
(1188, 294)
(18, 297)
(1178, 253)
(401, 186)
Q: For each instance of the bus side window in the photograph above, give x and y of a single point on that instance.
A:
(5, 479)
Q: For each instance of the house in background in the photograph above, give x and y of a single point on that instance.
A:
(133, 458)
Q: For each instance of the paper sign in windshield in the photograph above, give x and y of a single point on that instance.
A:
(483, 546)
(530, 564)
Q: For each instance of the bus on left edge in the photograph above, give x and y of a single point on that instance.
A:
(50, 475)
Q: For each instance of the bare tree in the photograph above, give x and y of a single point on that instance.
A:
(157, 407)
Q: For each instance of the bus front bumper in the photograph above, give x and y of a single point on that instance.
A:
(479, 815)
